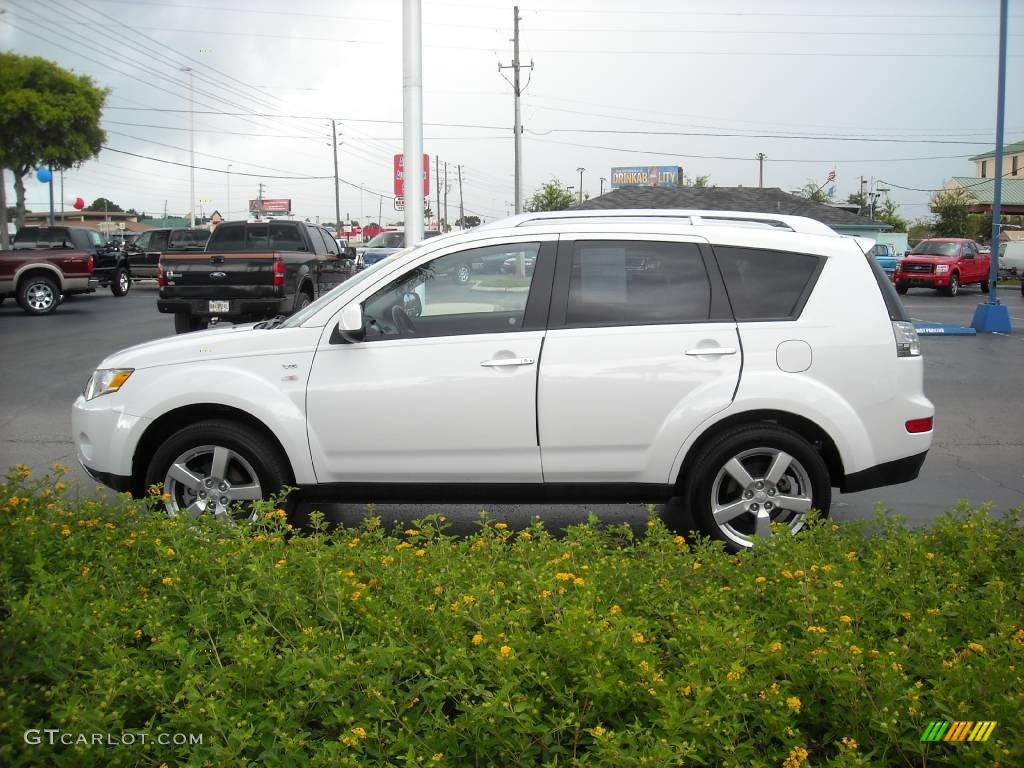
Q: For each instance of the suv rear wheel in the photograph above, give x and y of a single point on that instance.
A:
(208, 467)
(753, 476)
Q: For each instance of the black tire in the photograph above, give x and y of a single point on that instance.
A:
(38, 294)
(187, 323)
(755, 447)
(121, 282)
(902, 288)
(303, 301)
(251, 454)
(953, 289)
(984, 286)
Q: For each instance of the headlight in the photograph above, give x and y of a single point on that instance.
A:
(106, 381)
(939, 268)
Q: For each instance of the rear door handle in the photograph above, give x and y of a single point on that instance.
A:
(699, 351)
(507, 361)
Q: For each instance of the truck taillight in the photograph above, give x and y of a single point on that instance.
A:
(278, 272)
(161, 279)
(90, 265)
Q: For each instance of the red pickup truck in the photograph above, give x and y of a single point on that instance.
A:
(945, 264)
(39, 279)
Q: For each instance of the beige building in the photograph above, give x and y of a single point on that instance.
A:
(107, 223)
(1013, 162)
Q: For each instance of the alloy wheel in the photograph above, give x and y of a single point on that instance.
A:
(209, 479)
(40, 297)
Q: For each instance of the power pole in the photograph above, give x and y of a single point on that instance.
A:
(337, 193)
(462, 210)
(412, 118)
(515, 67)
(760, 169)
(580, 172)
(191, 153)
(437, 190)
(603, 180)
(446, 188)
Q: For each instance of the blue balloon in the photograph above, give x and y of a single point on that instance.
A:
(44, 175)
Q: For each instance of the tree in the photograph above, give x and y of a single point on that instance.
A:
(951, 208)
(471, 221)
(859, 199)
(813, 191)
(700, 181)
(104, 205)
(551, 197)
(979, 226)
(50, 116)
(920, 229)
(889, 213)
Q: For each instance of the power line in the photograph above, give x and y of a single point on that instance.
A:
(979, 183)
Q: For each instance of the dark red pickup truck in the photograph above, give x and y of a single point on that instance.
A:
(945, 264)
(39, 279)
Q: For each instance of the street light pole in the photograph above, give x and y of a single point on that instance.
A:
(227, 217)
(191, 152)
(603, 180)
(580, 172)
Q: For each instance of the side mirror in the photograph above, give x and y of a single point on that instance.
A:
(411, 304)
(350, 325)
(348, 253)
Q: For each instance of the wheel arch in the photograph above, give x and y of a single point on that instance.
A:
(169, 423)
(47, 270)
(806, 428)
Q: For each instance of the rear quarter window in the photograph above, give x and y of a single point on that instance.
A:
(767, 285)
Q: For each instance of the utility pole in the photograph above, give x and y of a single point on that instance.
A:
(61, 195)
(412, 118)
(580, 172)
(191, 152)
(462, 210)
(760, 169)
(446, 188)
(603, 180)
(227, 216)
(518, 91)
(437, 190)
(337, 193)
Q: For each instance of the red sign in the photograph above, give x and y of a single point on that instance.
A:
(400, 176)
(270, 206)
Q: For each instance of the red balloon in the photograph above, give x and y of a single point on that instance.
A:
(79, 203)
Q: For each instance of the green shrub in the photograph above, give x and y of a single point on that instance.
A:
(362, 647)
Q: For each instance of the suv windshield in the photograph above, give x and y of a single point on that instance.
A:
(387, 240)
(936, 248)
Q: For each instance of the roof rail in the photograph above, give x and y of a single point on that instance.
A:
(800, 224)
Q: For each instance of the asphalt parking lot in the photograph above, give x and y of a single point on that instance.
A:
(978, 453)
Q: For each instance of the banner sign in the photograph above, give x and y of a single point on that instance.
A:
(647, 176)
(267, 205)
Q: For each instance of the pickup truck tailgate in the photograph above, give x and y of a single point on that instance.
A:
(228, 275)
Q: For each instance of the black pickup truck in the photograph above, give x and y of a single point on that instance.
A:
(145, 252)
(110, 265)
(251, 271)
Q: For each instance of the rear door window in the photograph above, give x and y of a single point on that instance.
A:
(767, 285)
(319, 246)
(285, 236)
(229, 238)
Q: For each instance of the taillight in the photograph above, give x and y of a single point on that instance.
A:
(90, 265)
(916, 426)
(161, 279)
(907, 342)
(278, 272)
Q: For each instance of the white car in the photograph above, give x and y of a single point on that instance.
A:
(757, 363)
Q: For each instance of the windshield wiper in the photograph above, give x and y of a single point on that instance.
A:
(273, 322)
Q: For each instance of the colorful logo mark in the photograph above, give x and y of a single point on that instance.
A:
(959, 730)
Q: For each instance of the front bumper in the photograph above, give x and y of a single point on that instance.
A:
(890, 473)
(120, 483)
(105, 439)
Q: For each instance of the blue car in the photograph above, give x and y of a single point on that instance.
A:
(886, 257)
(386, 243)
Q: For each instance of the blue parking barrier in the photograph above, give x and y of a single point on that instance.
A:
(943, 329)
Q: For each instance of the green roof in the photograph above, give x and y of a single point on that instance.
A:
(171, 222)
(983, 190)
(1009, 149)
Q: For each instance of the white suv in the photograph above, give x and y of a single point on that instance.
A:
(748, 363)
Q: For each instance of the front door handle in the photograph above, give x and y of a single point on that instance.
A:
(507, 361)
(700, 351)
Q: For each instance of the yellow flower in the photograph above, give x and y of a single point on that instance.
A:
(85, 571)
(775, 647)
(525, 535)
(500, 526)
(855, 650)
(685, 691)
(280, 563)
(281, 514)
(976, 647)
(787, 574)
(58, 486)
(615, 611)
(137, 634)
(563, 576)
(837, 584)
(638, 638)
(437, 757)
(60, 469)
(169, 552)
(354, 596)
(1019, 636)
(477, 639)
(348, 741)
(597, 731)
(816, 629)
(412, 532)
(468, 599)
(387, 560)
(65, 531)
(404, 545)
(849, 743)
(545, 593)
(845, 619)
(798, 574)
(930, 555)
(420, 552)
(505, 652)
(760, 580)
(167, 581)
(827, 568)
(359, 732)
(897, 667)
(438, 589)
(906, 615)
(732, 675)
(793, 703)
(578, 582)
(696, 566)
(851, 555)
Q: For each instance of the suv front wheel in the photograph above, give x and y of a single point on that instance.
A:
(753, 476)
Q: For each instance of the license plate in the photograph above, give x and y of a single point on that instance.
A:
(220, 306)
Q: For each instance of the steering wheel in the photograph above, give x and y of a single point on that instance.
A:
(402, 320)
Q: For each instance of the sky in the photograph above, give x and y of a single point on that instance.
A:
(901, 93)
